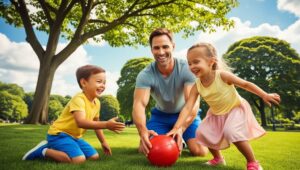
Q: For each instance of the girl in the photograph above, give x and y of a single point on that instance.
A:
(229, 118)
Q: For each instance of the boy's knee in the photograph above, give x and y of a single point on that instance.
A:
(94, 157)
(78, 160)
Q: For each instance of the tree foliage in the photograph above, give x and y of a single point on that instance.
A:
(12, 107)
(117, 22)
(55, 109)
(109, 107)
(126, 85)
(271, 64)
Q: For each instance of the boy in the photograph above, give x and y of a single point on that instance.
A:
(64, 139)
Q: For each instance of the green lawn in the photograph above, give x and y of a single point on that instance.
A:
(276, 150)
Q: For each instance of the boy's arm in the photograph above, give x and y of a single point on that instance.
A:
(112, 125)
(101, 138)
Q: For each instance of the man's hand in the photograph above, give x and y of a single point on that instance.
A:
(176, 133)
(115, 126)
(145, 144)
(106, 148)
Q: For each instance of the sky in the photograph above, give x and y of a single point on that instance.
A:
(19, 64)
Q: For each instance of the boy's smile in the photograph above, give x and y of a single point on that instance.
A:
(94, 86)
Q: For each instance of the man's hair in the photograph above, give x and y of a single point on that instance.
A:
(159, 32)
(86, 71)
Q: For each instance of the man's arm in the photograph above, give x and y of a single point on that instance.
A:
(190, 119)
(140, 101)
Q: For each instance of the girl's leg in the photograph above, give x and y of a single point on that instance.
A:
(245, 148)
(218, 158)
(215, 153)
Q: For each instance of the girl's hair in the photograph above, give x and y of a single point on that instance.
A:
(211, 52)
(86, 71)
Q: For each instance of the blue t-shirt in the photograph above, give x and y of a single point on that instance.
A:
(168, 92)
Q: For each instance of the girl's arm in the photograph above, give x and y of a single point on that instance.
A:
(268, 98)
(186, 111)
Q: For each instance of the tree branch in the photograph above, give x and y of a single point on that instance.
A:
(86, 10)
(46, 11)
(52, 9)
(31, 37)
(98, 21)
(122, 19)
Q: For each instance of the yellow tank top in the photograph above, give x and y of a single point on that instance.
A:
(220, 96)
(66, 123)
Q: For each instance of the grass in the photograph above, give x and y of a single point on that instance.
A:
(275, 151)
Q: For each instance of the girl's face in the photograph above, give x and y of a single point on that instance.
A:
(199, 62)
(94, 86)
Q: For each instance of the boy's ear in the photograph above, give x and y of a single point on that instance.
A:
(82, 82)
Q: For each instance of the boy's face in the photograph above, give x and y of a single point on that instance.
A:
(94, 86)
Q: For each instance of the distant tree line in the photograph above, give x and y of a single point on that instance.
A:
(268, 62)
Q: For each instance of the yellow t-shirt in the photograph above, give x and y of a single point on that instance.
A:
(220, 96)
(66, 122)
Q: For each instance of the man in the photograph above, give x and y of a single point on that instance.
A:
(169, 82)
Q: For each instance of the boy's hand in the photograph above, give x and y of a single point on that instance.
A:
(115, 126)
(176, 133)
(106, 148)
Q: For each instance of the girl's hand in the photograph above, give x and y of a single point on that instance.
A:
(176, 133)
(115, 126)
(106, 148)
(272, 98)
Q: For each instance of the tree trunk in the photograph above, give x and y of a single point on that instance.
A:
(39, 110)
(262, 113)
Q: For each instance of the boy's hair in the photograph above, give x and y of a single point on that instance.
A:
(86, 71)
(212, 53)
(159, 32)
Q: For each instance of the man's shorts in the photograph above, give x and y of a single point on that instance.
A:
(71, 146)
(162, 123)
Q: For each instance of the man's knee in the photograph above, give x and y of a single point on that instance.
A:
(196, 149)
(199, 151)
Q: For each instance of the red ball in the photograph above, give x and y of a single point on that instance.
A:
(164, 151)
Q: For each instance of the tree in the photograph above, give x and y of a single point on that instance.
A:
(126, 85)
(28, 99)
(118, 22)
(271, 64)
(109, 107)
(12, 107)
(55, 109)
(13, 89)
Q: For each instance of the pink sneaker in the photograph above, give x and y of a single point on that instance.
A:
(216, 161)
(254, 166)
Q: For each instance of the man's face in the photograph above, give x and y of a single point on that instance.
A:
(161, 49)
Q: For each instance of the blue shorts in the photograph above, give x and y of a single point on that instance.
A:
(71, 146)
(162, 123)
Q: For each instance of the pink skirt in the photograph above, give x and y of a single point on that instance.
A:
(218, 131)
